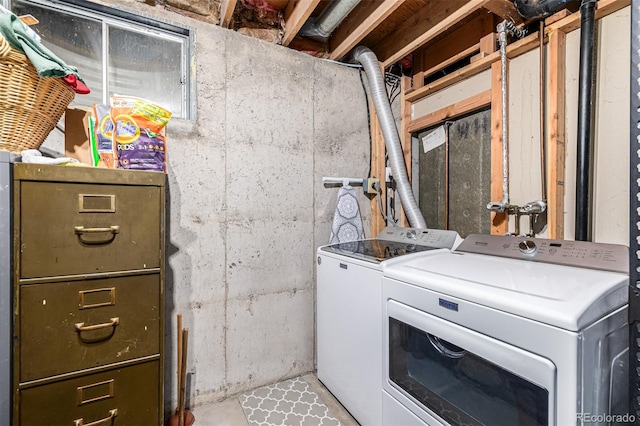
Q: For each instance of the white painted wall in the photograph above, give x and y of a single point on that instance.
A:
(611, 149)
(473, 85)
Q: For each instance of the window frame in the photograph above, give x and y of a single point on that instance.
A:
(110, 16)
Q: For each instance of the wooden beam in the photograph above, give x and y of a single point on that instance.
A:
(432, 20)
(557, 136)
(378, 153)
(499, 221)
(346, 38)
(226, 12)
(486, 46)
(572, 22)
(456, 41)
(471, 104)
(604, 8)
(296, 14)
(452, 60)
(513, 50)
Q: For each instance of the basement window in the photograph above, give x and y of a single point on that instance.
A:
(118, 52)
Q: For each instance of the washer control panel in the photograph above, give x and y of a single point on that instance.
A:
(439, 238)
(582, 254)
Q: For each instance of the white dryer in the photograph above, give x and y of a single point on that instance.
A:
(507, 330)
(349, 312)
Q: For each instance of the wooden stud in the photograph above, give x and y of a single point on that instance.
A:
(405, 139)
(418, 80)
(556, 17)
(453, 59)
(514, 49)
(572, 22)
(604, 8)
(226, 12)
(456, 40)
(377, 169)
(499, 222)
(557, 136)
(429, 23)
(487, 46)
(296, 14)
(350, 37)
(459, 108)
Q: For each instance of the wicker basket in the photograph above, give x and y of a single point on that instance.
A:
(30, 105)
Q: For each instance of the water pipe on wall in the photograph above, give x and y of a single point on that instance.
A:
(584, 173)
(530, 9)
(502, 29)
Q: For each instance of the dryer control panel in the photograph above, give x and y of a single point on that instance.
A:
(438, 238)
(582, 254)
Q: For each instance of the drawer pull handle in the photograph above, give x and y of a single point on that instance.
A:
(80, 327)
(107, 420)
(81, 230)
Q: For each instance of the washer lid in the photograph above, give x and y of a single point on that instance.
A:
(563, 296)
(375, 251)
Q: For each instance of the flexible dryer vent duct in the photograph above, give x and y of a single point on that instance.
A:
(371, 67)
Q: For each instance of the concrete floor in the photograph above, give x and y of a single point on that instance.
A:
(229, 412)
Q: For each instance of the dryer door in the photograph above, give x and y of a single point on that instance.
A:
(464, 377)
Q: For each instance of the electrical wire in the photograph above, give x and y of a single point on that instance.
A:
(366, 98)
(382, 213)
(344, 64)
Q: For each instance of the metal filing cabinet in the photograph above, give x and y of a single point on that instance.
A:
(88, 302)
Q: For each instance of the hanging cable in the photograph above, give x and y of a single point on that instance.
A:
(366, 98)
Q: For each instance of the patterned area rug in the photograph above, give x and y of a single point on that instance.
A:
(288, 403)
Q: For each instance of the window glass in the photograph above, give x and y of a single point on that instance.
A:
(116, 55)
(76, 40)
(149, 66)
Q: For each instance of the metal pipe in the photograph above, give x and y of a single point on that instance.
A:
(543, 151)
(532, 9)
(585, 129)
(502, 28)
(322, 27)
(378, 89)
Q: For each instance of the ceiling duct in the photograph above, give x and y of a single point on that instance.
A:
(321, 27)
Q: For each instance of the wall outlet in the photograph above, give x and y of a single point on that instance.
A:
(369, 186)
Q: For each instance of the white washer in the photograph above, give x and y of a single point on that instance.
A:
(349, 313)
(507, 330)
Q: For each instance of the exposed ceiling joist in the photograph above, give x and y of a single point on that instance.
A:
(226, 12)
(296, 14)
(346, 38)
(431, 21)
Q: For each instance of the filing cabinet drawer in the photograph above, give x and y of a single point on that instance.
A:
(123, 396)
(75, 325)
(75, 228)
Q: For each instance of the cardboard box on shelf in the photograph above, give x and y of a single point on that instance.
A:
(77, 141)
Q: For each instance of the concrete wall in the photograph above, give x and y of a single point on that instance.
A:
(611, 144)
(247, 209)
